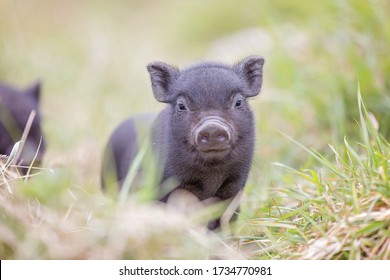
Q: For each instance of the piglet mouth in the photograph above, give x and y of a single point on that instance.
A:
(214, 155)
(213, 136)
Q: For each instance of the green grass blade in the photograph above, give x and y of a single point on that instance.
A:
(320, 158)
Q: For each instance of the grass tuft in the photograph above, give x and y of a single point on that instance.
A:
(339, 210)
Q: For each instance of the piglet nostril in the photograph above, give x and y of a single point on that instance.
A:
(203, 137)
(222, 137)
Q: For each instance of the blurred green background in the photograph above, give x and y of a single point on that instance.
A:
(91, 58)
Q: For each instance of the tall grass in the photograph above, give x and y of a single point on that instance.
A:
(339, 209)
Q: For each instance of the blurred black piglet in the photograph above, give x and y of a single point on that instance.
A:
(204, 139)
(15, 109)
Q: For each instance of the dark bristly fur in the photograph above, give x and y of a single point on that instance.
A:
(201, 91)
(15, 109)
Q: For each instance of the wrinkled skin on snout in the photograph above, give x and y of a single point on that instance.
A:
(213, 137)
(204, 138)
(15, 109)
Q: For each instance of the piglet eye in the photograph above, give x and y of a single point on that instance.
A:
(181, 107)
(238, 103)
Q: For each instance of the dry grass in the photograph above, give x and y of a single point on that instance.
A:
(79, 225)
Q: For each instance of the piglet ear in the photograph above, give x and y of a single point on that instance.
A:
(251, 71)
(34, 91)
(162, 77)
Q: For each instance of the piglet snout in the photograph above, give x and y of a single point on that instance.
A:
(212, 134)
